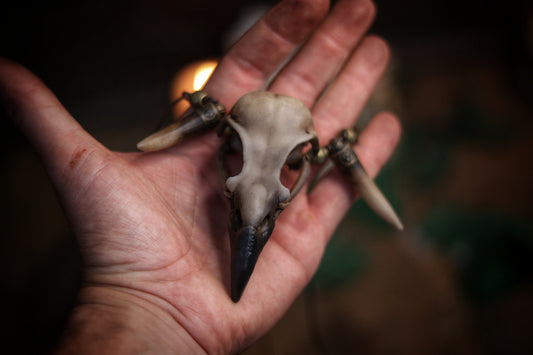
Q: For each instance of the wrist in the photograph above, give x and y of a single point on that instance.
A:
(114, 321)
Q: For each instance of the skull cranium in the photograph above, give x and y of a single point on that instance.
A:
(271, 128)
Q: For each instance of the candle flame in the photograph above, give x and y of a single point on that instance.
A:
(202, 75)
(191, 78)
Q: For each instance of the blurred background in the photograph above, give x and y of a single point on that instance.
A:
(458, 280)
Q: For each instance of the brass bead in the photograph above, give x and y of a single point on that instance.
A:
(319, 157)
(349, 135)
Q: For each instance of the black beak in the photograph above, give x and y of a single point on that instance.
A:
(244, 254)
(247, 242)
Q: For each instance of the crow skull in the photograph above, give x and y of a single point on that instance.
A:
(273, 130)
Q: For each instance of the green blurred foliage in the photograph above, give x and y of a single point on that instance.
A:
(493, 253)
(343, 261)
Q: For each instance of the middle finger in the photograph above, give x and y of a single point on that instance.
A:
(326, 51)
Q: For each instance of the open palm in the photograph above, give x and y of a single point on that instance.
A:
(152, 226)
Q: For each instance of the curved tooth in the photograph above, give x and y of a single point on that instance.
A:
(162, 139)
(371, 193)
(190, 123)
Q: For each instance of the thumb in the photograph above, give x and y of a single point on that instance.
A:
(56, 136)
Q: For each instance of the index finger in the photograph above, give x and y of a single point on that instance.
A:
(258, 54)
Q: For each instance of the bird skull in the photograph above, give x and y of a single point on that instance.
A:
(270, 127)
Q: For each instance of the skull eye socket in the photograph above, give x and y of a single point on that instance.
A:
(295, 157)
(230, 157)
(235, 142)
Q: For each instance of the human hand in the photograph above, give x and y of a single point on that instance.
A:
(152, 227)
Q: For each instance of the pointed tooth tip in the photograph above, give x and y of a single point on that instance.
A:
(147, 146)
(375, 199)
(392, 218)
(156, 142)
(398, 225)
(143, 146)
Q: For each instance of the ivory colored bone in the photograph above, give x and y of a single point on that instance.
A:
(204, 114)
(270, 127)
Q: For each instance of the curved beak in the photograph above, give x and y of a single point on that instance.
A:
(247, 242)
(245, 250)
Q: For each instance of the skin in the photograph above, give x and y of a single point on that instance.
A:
(152, 226)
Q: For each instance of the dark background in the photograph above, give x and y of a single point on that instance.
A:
(457, 280)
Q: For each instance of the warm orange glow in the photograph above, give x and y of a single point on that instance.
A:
(191, 78)
(202, 74)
